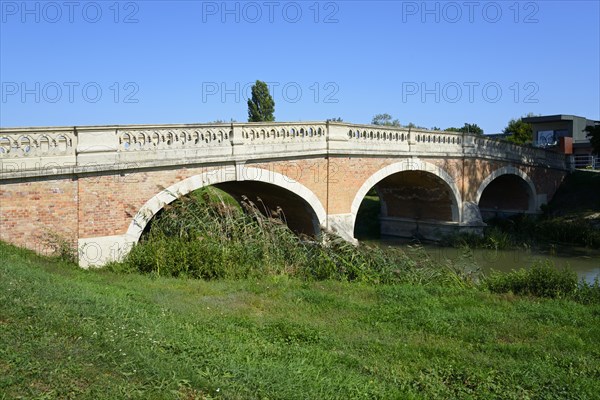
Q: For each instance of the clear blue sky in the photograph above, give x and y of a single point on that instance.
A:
(434, 64)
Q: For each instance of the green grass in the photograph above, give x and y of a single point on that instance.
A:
(70, 333)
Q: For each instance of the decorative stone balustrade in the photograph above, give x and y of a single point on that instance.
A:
(164, 139)
(36, 143)
(42, 151)
(283, 133)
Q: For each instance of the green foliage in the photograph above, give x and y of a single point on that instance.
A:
(493, 238)
(385, 120)
(575, 231)
(519, 230)
(202, 236)
(593, 133)
(540, 280)
(338, 119)
(415, 126)
(531, 229)
(367, 225)
(578, 196)
(467, 128)
(261, 106)
(520, 132)
(58, 246)
(588, 293)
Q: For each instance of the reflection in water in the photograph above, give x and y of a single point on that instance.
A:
(585, 262)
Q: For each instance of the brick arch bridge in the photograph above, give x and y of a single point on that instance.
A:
(98, 186)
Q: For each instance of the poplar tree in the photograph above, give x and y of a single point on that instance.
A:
(261, 106)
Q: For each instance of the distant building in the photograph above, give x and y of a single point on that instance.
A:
(548, 129)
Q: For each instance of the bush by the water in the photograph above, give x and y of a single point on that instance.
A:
(205, 236)
(518, 230)
(528, 229)
(543, 280)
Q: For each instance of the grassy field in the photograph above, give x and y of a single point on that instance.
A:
(70, 333)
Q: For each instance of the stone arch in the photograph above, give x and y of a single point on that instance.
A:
(510, 170)
(409, 165)
(221, 175)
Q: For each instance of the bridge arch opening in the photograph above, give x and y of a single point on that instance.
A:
(416, 200)
(302, 210)
(268, 199)
(506, 191)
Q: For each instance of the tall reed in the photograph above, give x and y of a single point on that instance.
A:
(205, 235)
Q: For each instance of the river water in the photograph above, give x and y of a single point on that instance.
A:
(585, 262)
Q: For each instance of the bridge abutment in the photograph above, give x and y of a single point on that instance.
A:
(343, 226)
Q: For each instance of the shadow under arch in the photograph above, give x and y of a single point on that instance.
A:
(227, 179)
(416, 174)
(506, 189)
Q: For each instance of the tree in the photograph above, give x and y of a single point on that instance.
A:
(338, 119)
(415, 126)
(261, 106)
(593, 132)
(385, 119)
(520, 132)
(467, 128)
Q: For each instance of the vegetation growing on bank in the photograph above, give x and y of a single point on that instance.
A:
(543, 280)
(70, 333)
(520, 230)
(205, 236)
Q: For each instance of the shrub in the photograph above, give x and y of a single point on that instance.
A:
(58, 246)
(588, 293)
(541, 280)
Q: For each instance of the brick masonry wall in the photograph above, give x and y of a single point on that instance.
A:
(348, 174)
(30, 209)
(97, 205)
(546, 181)
(312, 173)
(109, 202)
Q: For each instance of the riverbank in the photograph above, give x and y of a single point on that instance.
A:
(70, 333)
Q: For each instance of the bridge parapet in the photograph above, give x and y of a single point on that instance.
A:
(279, 139)
(51, 151)
(387, 140)
(496, 149)
(36, 149)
